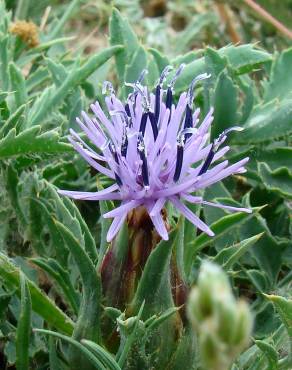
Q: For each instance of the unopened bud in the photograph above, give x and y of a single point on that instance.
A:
(244, 324)
(223, 324)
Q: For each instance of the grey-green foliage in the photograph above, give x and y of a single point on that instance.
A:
(58, 272)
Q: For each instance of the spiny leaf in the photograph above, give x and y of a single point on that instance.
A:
(17, 85)
(284, 308)
(225, 103)
(121, 33)
(228, 256)
(31, 141)
(41, 303)
(56, 96)
(280, 83)
(279, 180)
(242, 59)
(267, 122)
(14, 121)
(220, 227)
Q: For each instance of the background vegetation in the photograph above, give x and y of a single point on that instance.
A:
(53, 67)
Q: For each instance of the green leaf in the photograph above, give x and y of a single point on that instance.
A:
(54, 97)
(269, 352)
(179, 248)
(62, 277)
(57, 70)
(185, 355)
(89, 242)
(279, 180)
(280, 83)
(155, 272)
(88, 322)
(215, 63)
(267, 251)
(104, 207)
(228, 256)
(121, 33)
(97, 350)
(219, 228)
(135, 67)
(58, 27)
(17, 85)
(242, 59)
(130, 339)
(161, 60)
(4, 76)
(32, 141)
(266, 123)
(159, 319)
(14, 121)
(187, 36)
(96, 362)
(43, 47)
(225, 103)
(112, 268)
(41, 303)
(284, 308)
(23, 332)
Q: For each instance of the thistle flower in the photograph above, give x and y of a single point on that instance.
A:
(155, 151)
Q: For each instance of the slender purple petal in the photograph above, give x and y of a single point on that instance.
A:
(191, 216)
(159, 226)
(115, 227)
(123, 208)
(230, 208)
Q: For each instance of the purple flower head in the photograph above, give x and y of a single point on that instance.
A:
(154, 151)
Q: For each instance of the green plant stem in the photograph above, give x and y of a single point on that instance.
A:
(59, 26)
(22, 9)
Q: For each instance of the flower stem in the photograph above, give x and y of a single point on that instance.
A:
(268, 18)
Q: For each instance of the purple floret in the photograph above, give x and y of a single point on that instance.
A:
(154, 151)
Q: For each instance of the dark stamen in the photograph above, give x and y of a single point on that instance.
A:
(162, 78)
(157, 103)
(113, 151)
(168, 101)
(118, 179)
(127, 109)
(124, 146)
(179, 161)
(143, 123)
(207, 162)
(142, 152)
(215, 146)
(145, 175)
(188, 120)
(153, 124)
(115, 155)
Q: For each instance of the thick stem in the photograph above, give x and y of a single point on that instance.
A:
(227, 20)
(268, 18)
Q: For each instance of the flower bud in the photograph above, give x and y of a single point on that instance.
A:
(223, 324)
